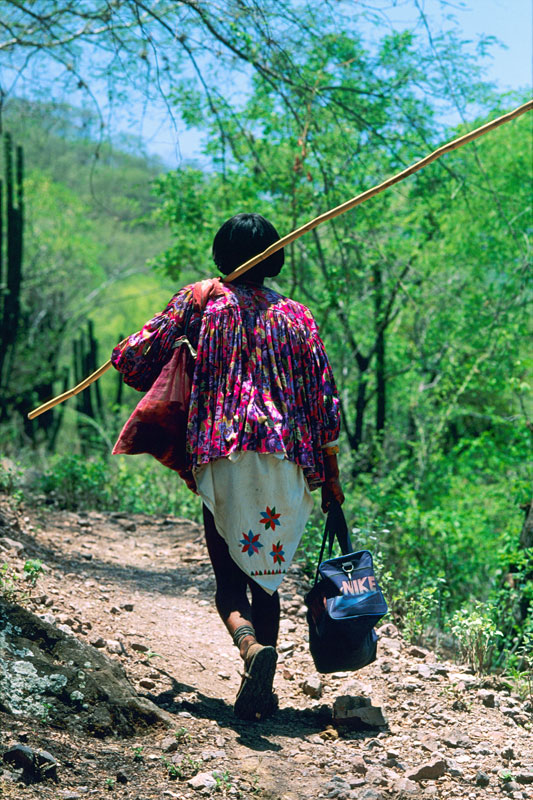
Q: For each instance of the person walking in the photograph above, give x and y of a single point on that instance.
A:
(262, 431)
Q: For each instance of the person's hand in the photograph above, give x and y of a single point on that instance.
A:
(331, 490)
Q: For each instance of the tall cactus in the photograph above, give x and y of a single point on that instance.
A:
(89, 402)
(11, 242)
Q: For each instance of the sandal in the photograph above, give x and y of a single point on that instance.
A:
(255, 699)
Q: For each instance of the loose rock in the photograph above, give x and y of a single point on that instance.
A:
(169, 744)
(313, 687)
(524, 777)
(204, 780)
(36, 765)
(428, 771)
(140, 648)
(482, 779)
(358, 713)
(487, 698)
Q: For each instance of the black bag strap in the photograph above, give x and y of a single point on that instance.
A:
(335, 526)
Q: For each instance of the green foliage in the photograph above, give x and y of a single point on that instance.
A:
(520, 662)
(182, 735)
(222, 780)
(188, 767)
(33, 569)
(9, 477)
(138, 753)
(9, 586)
(173, 770)
(477, 635)
(415, 611)
(151, 654)
(75, 482)
(13, 586)
(88, 226)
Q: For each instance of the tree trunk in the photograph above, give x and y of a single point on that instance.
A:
(11, 273)
(380, 353)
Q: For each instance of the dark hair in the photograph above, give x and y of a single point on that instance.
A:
(240, 238)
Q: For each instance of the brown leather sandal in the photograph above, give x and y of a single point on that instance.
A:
(255, 699)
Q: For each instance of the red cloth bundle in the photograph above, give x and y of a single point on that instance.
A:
(158, 425)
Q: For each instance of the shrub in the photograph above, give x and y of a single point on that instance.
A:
(139, 485)
(477, 635)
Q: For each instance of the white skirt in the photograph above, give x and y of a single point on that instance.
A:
(261, 503)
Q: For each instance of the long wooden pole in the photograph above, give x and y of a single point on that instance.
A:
(55, 401)
(360, 198)
(334, 212)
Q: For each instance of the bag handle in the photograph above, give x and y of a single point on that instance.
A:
(335, 526)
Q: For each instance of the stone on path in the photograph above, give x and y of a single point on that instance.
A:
(358, 765)
(370, 794)
(357, 712)
(169, 744)
(482, 779)
(11, 544)
(457, 739)
(139, 647)
(204, 780)
(487, 697)
(430, 770)
(524, 777)
(313, 687)
(418, 652)
(406, 786)
(36, 765)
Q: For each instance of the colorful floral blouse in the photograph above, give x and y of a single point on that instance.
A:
(262, 379)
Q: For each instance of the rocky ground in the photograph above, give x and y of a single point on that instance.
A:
(139, 590)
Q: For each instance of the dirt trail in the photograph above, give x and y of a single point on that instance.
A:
(141, 588)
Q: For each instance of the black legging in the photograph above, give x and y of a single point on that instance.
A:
(232, 582)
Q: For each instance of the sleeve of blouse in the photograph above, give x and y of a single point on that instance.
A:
(141, 356)
(328, 397)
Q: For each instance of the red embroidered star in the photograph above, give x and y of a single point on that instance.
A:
(277, 553)
(269, 518)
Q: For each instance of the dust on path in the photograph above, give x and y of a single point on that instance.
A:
(142, 586)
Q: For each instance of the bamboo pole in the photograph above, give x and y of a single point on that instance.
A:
(331, 214)
(55, 401)
(360, 198)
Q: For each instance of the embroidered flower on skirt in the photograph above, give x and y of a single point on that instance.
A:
(277, 553)
(236, 490)
(269, 518)
(251, 543)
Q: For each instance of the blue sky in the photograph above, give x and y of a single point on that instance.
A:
(510, 67)
(510, 21)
